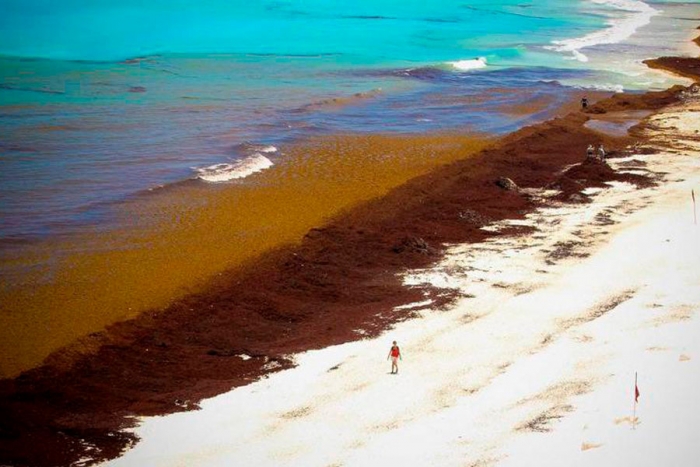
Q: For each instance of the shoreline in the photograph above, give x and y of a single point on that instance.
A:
(535, 364)
(64, 287)
(318, 294)
(167, 245)
(164, 244)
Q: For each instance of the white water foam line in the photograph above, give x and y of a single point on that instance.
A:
(635, 14)
(235, 170)
(268, 149)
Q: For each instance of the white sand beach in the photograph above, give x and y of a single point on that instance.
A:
(535, 365)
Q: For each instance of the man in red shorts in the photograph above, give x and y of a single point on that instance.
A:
(395, 355)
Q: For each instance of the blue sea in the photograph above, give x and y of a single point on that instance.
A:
(106, 99)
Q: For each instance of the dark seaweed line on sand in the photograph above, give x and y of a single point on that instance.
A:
(342, 278)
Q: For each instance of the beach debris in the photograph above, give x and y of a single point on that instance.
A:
(566, 184)
(297, 413)
(473, 217)
(604, 218)
(633, 163)
(507, 184)
(273, 364)
(571, 190)
(690, 93)
(162, 343)
(222, 353)
(186, 404)
(542, 423)
(578, 198)
(646, 150)
(564, 250)
(413, 245)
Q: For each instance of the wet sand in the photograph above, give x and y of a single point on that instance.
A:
(687, 67)
(617, 123)
(339, 284)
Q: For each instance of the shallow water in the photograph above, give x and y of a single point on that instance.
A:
(85, 124)
(173, 243)
(617, 123)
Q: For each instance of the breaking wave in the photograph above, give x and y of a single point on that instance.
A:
(466, 65)
(234, 170)
(637, 14)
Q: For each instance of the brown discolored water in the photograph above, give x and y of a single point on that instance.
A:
(170, 243)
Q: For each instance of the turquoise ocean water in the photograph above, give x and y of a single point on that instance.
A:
(106, 99)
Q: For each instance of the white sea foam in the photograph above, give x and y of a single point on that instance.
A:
(268, 149)
(635, 15)
(466, 65)
(608, 87)
(234, 170)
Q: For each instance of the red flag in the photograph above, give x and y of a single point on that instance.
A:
(636, 393)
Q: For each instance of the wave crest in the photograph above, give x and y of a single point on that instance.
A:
(466, 65)
(231, 171)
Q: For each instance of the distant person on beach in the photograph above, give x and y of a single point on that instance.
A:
(584, 102)
(590, 150)
(395, 355)
(601, 152)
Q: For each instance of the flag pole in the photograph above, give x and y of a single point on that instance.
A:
(634, 411)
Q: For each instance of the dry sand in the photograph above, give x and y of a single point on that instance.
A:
(534, 365)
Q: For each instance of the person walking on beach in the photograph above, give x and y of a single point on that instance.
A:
(601, 153)
(590, 150)
(395, 355)
(584, 102)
